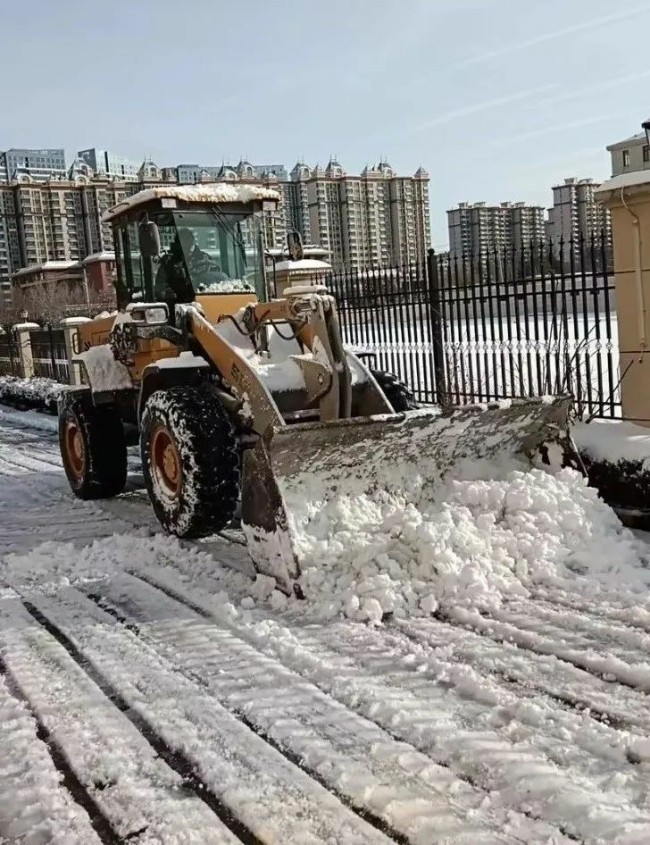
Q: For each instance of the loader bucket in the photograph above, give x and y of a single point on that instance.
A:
(312, 464)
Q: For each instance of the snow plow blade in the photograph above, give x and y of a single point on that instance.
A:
(325, 461)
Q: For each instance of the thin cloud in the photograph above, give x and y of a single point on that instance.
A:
(605, 85)
(586, 154)
(585, 26)
(482, 105)
(562, 127)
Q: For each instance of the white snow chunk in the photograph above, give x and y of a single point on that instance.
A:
(466, 541)
(104, 372)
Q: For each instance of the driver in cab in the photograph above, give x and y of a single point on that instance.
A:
(183, 264)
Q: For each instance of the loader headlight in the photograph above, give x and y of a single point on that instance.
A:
(156, 315)
(151, 315)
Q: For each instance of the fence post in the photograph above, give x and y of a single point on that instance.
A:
(50, 338)
(436, 328)
(71, 335)
(25, 347)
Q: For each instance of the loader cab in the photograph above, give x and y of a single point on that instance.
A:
(182, 245)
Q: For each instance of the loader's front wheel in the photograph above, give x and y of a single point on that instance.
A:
(190, 461)
(93, 448)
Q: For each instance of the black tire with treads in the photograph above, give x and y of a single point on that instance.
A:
(194, 423)
(398, 394)
(101, 468)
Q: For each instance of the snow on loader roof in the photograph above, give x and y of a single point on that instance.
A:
(219, 192)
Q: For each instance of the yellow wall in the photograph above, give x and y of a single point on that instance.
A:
(634, 355)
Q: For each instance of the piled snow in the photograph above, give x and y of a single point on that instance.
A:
(476, 543)
(276, 370)
(227, 286)
(104, 372)
(39, 394)
(614, 441)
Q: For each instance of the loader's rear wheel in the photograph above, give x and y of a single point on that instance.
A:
(398, 394)
(190, 460)
(93, 448)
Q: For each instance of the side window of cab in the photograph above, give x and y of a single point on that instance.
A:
(130, 272)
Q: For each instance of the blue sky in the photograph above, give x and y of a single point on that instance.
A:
(498, 99)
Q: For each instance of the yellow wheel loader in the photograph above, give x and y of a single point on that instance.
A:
(238, 398)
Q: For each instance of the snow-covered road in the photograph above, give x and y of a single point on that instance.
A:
(141, 702)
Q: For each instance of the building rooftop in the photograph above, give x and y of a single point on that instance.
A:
(623, 180)
(632, 141)
(46, 265)
(99, 256)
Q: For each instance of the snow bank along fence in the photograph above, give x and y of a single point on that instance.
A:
(498, 324)
(28, 350)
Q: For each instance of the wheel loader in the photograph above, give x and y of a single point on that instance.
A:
(236, 396)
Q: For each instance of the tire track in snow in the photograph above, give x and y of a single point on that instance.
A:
(576, 629)
(42, 508)
(409, 719)
(38, 790)
(175, 759)
(69, 780)
(110, 758)
(572, 688)
(193, 673)
(343, 744)
(604, 666)
(167, 709)
(628, 612)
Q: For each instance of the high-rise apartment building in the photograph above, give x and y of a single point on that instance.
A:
(61, 220)
(106, 163)
(188, 174)
(374, 218)
(576, 212)
(477, 228)
(367, 220)
(40, 165)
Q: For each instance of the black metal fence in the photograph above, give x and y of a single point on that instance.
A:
(501, 324)
(9, 355)
(49, 353)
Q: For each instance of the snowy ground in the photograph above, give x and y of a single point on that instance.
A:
(149, 694)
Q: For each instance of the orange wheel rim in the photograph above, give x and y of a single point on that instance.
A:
(74, 448)
(166, 462)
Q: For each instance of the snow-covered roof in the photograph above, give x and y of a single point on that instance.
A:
(623, 180)
(215, 192)
(99, 256)
(47, 265)
(303, 264)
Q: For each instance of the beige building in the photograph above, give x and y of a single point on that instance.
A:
(576, 212)
(630, 155)
(478, 228)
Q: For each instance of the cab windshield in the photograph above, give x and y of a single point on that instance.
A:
(206, 252)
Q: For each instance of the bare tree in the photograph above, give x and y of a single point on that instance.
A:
(48, 302)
